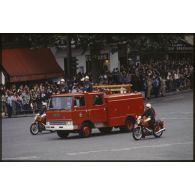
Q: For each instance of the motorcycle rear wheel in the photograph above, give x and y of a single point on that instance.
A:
(157, 134)
(34, 129)
(137, 133)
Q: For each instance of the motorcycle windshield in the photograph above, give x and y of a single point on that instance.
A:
(60, 103)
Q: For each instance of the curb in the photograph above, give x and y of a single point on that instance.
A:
(172, 93)
(19, 116)
(178, 92)
(168, 94)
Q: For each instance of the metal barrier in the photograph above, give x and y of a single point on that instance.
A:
(16, 111)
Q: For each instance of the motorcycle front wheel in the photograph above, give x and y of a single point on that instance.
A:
(137, 133)
(34, 129)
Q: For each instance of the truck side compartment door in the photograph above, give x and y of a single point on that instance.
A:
(98, 113)
(80, 111)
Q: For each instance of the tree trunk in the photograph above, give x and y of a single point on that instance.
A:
(95, 69)
(69, 58)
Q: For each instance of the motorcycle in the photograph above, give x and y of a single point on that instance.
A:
(38, 124)
(142, 129)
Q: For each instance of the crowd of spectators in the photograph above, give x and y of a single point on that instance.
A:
(154, 79)
(30, 98)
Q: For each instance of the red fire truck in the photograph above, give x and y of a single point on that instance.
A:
(81, 112)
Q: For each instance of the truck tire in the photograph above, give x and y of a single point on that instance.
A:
(105, 130)
(129, 125)
(85, 130)
(62, 134)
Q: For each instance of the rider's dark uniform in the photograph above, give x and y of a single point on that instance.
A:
(43, 110)
(150, 113)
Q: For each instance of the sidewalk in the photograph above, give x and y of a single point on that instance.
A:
(167, 94)
(178, 92)
(21, 115)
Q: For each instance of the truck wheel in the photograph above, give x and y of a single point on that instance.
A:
(62, 134)
(105, 130)
(129, 125)
(85, 130)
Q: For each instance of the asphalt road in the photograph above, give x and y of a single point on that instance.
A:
(175, 144)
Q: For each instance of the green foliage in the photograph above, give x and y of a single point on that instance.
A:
(92, 41)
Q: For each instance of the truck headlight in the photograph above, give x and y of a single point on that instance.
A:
(69, 122)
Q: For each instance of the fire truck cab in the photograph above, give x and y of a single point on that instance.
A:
(81, 112)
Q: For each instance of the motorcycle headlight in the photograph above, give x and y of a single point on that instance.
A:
(47, 123)
(138, 121)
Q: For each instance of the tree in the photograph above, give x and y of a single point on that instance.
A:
(91, 40)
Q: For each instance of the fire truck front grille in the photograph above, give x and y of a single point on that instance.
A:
(57, 123)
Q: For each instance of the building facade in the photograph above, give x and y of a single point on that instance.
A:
(106, 59)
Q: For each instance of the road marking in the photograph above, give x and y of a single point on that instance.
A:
(21, 158)
(126, 149)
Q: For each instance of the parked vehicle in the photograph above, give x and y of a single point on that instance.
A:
(81, 112)
(142, 129)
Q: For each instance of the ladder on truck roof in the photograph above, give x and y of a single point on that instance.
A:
(113, 89)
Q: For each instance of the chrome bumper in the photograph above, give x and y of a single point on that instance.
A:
(61, 127)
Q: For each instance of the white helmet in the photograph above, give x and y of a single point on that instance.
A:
(86, 78)
(62, 80)
(148, 105)
(44, 103)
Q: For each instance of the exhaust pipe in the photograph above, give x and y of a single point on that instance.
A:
(150, 130)
(163, 129)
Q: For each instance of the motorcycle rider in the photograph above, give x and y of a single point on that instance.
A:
(149, 113)
(39, 121)
(43, 110)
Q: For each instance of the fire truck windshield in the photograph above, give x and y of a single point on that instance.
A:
(60, 103)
